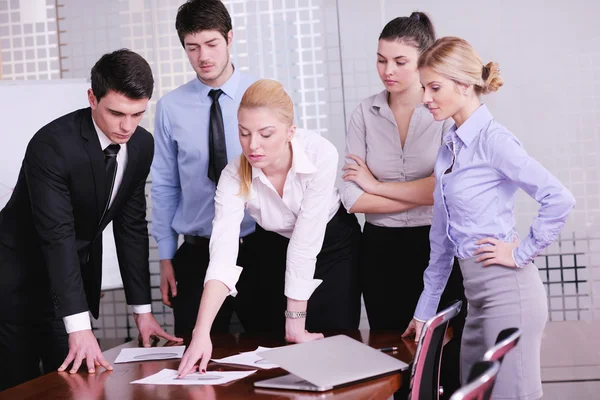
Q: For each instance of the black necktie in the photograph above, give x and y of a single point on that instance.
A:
(216, 138)
(110, 164)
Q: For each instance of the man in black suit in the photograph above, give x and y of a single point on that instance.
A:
(80, 172)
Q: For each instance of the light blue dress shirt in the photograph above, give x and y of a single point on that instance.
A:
(476, 200)
(182, 194)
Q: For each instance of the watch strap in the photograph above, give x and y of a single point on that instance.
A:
(295, 314)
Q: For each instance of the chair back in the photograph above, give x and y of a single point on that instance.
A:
(425, 374)
(481, 382)
(506, 340)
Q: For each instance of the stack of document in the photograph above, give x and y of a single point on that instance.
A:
(169, 376)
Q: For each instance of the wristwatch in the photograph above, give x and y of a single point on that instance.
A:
(295, 314)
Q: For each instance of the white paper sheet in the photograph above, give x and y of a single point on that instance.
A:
(259, 348)
(248, 358)
(169, 377)
(150, 354)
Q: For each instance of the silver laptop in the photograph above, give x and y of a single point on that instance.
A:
(327, 364)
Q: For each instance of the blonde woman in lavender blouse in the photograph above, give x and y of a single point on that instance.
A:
(478, 170)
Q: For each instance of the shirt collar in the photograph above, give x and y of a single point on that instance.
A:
(472, 126)
(301, 164)
(229, 88)
(104, 140)
(380, 101)
(380, 106)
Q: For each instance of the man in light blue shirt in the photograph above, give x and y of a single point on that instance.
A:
(196, 134)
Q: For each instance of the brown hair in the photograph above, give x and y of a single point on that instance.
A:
(202, 15)
(456, 59)
(416, 31)
(269, 94)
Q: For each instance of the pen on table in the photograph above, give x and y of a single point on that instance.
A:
(388, 349)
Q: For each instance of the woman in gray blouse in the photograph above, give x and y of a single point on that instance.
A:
(391, 147)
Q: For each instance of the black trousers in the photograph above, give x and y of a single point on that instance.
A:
(24, 344)
(334, 305)
(392, 264)
(36, 336)
(190, 264)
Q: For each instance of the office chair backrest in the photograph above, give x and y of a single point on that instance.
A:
(425, 375)
(481, 382)
(506, 340)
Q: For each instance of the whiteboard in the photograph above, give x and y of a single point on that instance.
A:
(26, 106)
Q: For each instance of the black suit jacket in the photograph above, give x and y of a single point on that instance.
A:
(51, 228)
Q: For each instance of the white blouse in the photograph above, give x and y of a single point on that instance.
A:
(309, 201)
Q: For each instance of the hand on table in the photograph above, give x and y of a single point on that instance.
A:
(150, 329)
(199, 349)
(83, 346)
(296, 333)
(413, 330)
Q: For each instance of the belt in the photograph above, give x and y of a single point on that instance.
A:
(200, 240)
(196, 240)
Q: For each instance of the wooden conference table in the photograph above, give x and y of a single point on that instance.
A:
(116, 384)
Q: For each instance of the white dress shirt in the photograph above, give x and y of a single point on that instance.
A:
(309, 201)
(81, 321)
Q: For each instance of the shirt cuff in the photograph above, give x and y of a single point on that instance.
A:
(77, 322)
(167, 247)
(349, 194)
(426, 307)
(142, 308)
(229, 276)
(514, 256)
(300, 289)
(420, 320)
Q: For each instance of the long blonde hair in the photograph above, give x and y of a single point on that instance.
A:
(270, 94)
(455, 59)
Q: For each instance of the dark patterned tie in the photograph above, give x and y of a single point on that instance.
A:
(110, 164)
(216, 138)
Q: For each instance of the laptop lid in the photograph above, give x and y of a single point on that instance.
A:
(333, 361)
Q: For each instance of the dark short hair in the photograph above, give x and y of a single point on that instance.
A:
(416, 30)
(122, 71)
(202, 15)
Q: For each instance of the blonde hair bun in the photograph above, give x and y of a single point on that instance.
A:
(491, 78)
(456, 59)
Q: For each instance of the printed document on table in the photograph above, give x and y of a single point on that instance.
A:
(150, 354)
(169, 377)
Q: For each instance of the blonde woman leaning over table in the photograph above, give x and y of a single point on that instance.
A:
(305, 281)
